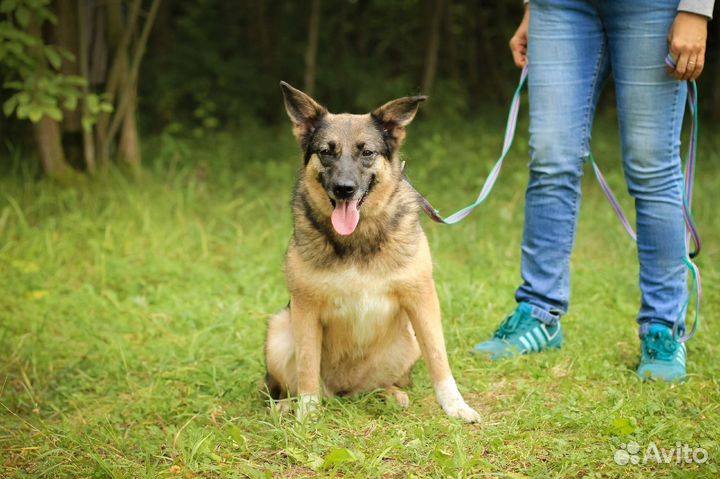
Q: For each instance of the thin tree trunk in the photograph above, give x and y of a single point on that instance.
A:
(433, 47)
(65, 35)
(262, 27)
(83, 46)
(312, 47)
(119, 36)
(129, 143)
(472, 48)
(128, 97)
(452, 56)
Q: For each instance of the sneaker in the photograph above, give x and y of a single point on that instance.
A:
(520, 333)
(663, 357)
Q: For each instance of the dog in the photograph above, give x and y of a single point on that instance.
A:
(363, 304)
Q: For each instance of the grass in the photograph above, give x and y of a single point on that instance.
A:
(132, 317)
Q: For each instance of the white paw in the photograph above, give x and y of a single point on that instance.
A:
(307, 405)
(462, 411)
(452, 401)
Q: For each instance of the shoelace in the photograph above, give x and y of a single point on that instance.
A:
(658, 346)
(510, 324)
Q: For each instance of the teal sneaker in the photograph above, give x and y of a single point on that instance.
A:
(520, 333)
(663, 357)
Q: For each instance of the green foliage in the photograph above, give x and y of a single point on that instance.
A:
(133, 313)
(235, 53)
(33, 69)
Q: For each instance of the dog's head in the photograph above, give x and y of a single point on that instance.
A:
(349, 156)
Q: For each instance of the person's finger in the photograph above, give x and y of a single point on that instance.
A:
(681, 67)
(519, 58)
(699, 66)
(691, 65)
(519, 51)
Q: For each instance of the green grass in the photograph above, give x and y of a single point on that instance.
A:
(133, 311)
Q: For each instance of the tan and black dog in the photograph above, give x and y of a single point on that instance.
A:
(363, 302)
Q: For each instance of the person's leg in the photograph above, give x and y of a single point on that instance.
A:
(650, 112)
(568, 64)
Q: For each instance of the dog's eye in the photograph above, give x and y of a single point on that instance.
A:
(367, 153)
(325, 152)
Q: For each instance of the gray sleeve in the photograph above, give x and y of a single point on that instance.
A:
(701, 7)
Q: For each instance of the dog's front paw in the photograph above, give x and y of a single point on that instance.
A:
(453, 403)
(462, 411)
(307, 405)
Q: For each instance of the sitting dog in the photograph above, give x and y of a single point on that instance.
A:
(363, 302)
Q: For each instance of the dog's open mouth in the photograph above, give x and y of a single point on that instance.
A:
(346, 214)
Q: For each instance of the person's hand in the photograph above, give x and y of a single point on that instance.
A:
(519, 41)
(687, 39)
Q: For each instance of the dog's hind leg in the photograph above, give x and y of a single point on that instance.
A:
(281, 377)
(399, 395)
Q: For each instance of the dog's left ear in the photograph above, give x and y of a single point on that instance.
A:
(394, 115)
(304, 112)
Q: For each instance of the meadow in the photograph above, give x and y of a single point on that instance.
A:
(133, 313)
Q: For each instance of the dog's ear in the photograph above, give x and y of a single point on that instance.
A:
(304, 112)
(394, 115)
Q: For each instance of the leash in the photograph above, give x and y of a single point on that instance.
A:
(689, 180)
(494, 172)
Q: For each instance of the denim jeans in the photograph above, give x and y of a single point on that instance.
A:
(573, 47)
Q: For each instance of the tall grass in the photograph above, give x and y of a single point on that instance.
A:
(133, 311)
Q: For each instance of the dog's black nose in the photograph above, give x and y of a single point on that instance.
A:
(344, 190)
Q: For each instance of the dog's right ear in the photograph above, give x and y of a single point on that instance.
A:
(304, 112)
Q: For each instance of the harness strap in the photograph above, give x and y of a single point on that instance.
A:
(689, 180)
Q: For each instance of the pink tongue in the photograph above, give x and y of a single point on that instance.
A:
(345, 217)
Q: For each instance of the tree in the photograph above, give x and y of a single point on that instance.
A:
(431, 59)
(52, 87)
(122, 81)
(33, 70)
(312, 47)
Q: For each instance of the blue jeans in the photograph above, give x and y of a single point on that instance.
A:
(573, 46)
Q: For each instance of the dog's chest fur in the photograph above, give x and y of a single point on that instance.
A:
(360, 307)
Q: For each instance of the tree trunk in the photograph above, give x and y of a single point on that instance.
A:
(452, 56)
(47, 134)
(84, 18)
(312, 47)
(472, 49)
(129, 143)
(52, 156)
(66, 37)
(125, 106)
(433, 47)
(119, 34)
